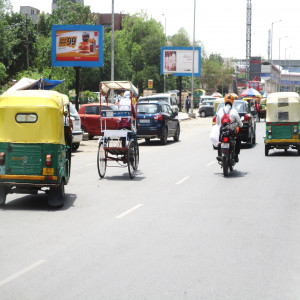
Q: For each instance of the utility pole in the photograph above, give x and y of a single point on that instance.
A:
(248, 40)
(27, 48)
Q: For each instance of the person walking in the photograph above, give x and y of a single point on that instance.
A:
(187, 104)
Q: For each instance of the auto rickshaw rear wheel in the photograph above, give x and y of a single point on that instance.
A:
(3, 193)
(57, 195)
(267, 150)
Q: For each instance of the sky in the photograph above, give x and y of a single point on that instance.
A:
(219, 25)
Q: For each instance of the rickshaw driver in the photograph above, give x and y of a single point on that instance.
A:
(234, 117)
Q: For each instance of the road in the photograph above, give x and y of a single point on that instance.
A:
(179, 230)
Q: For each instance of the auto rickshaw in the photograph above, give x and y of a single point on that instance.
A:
(283, 121)
(262, 109)
(35, 144)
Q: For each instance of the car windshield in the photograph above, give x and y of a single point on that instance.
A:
(239, 106)
(148, 108)
(165, 99)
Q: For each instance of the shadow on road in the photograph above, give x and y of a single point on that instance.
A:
(37, 202)
(233, 174)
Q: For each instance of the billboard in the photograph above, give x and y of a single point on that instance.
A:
(179, 61)
(77, 45)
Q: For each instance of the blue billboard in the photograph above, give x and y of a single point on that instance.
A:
(77, 46)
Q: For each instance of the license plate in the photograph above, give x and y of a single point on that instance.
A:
(48, 171)
(225, 145)
(144, 121)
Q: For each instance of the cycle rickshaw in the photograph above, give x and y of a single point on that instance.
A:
(118, 145)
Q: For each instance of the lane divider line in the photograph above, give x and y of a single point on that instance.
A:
(22, 272)
(128, 211)
(183, 180)
(211, 163)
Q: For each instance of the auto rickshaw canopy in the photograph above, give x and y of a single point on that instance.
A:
(32, 116)
(283, 106)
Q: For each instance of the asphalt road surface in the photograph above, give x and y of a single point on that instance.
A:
(179, 230)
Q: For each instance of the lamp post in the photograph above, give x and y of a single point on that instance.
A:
(280, 62)
(165, 46)
(192, 114)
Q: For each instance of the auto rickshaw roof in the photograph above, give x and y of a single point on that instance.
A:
(280, 96)
(34, 98)
(106, 86)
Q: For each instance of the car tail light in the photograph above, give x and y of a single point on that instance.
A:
(246, 119)
(2, 158)
(225, 139)
(158, 117)
(48, 160)
(295, 129)
(214, 120)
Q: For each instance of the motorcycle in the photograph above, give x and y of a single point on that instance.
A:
(227, 145)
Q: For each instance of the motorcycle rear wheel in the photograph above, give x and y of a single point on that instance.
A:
(225, 166)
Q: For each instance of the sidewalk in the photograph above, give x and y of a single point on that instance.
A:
(184, 116)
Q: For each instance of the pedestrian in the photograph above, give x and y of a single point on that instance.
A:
(187, 104)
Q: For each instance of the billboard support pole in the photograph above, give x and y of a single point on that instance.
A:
(180, 90)
(77, 70)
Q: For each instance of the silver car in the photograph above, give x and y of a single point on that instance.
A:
(77, 132)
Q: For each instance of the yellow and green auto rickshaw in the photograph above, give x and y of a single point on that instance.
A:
(282, 122)
(35, 144)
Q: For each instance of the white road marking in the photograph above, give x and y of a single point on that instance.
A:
(22, 272)
(128, 211)
(211, 163)
(182, 180)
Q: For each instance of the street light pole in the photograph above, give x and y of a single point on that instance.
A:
(165, 46)
(112, 76)
(280, 62)
(193, 67)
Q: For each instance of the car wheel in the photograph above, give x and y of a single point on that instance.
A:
(84, 130)
(164, 136)
(250, 141)
(254, 139)
(147, 140)
(177, 133)
(202, 114)
(75, 147)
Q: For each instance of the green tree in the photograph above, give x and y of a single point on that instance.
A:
(180, 39)
(3, 74)
(68, 12)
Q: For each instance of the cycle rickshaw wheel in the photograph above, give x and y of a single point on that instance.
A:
(101, 160)
(132, 159)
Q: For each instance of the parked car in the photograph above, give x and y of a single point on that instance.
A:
(77, 132)
(90, 118)
(207, 108)
(170, 98)
(248, 131)
(156, 119)
(205, 98)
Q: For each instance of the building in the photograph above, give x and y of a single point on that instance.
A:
(105, 20)
(54, 3)
(31, 12)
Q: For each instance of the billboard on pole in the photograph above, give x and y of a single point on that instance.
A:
(77, 46)
(179, 61)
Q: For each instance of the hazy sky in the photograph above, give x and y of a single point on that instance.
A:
(220, 25)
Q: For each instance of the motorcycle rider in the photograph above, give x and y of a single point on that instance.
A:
(234, 117)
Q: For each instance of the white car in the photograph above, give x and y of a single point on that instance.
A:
(170, 98)
(77, 132)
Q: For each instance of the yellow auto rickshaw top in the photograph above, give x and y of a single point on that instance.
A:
(47, 107)
(283, 106)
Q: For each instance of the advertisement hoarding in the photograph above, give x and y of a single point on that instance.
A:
(179, 61)
(77, 46)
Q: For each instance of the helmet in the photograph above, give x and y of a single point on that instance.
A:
(229, 98)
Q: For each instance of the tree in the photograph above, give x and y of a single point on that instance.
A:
(181, 39)
(3, 74)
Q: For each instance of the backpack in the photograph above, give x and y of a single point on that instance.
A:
(225, 118)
